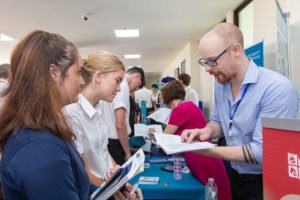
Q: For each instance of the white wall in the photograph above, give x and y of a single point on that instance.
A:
(202, 82)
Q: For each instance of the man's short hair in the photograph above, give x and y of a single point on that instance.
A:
(154, 86)
(167, 79)
(173, 90)
(4, 70)
(185, 78)
(134, 70)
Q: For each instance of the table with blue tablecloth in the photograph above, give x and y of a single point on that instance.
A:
(169, 188)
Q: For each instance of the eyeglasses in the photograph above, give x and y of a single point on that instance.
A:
(212, 62)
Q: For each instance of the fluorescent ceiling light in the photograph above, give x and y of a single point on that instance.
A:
(134, 66)
(5, 37)
(132, 56)
(127, 33)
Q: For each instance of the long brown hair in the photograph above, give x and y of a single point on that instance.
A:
(32, 98)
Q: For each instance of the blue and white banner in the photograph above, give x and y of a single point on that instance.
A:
(256, 52)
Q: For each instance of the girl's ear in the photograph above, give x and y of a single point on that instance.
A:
(55, 73)
(98, 76)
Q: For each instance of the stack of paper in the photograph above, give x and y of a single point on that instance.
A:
(162, 115)
(172, 144)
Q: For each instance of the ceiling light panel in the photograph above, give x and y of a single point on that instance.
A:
(132, 56)
(127, 33)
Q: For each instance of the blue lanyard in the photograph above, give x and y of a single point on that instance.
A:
(180, 102)
(231, 116)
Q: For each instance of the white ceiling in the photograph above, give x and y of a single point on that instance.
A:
(165, 25)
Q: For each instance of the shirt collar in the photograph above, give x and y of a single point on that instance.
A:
(187, 88)
(251, 75)
(87, 106)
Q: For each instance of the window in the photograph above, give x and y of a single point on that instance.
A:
(244, 19)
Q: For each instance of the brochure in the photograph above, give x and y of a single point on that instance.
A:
(127, 171)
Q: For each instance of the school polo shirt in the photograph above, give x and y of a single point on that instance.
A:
(88, 124)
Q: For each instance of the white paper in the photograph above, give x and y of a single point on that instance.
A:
(161, 115)
(172, 144)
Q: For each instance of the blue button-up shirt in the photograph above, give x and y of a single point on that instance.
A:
(269, 95)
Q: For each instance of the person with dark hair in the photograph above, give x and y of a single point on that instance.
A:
(39, 160)
(103, 73)
(163, 82)
(186, 115)
(4, 72)
(191, 94)
(155, 96)
(117, 115)
(243, 94)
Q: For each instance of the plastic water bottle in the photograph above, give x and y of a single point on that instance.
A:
(211, 190)
(177, 167)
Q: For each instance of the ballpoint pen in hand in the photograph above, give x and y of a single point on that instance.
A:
(134, 188)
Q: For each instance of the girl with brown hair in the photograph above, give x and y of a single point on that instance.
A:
(39, 160)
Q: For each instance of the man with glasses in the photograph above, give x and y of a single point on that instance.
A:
(116, 115)
(244, 93)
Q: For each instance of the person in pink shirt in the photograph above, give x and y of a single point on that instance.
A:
(186, 115)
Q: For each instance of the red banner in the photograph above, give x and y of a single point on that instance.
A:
(281, 164)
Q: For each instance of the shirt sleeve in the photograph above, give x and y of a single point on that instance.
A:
(76, 127)
(121, 99)
(215, 118)
(280, 101)
(43, 170)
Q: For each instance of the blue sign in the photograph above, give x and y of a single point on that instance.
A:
(143, 112)
(256, 52)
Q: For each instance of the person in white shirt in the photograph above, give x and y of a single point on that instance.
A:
(190, 93)
(4, 72)
(144, 94)
(117, 115)
(102, 73)
(155, 96)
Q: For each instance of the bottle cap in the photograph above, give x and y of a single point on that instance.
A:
(211, 180)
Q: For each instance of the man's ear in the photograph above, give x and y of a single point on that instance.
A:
(237, 48)
(55, 73)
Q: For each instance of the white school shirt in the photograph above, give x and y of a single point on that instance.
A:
(144, 94)
(3, 86)
(191, 95)
(121, 100)
(88, 124)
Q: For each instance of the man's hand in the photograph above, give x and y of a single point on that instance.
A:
(191, 134)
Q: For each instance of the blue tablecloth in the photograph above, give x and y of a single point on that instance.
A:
(186, 188)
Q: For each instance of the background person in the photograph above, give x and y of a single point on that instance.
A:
(186, 115)
(244, 93)
(4, 72)
(117, 115)
(155, 96)
(39, 160)
(102, 73)
(191, 94)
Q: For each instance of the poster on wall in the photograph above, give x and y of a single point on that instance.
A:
(176, 72)
(256, 53)
(283, 61)
(182, 67)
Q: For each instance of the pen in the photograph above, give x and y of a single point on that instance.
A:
(134, 188)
